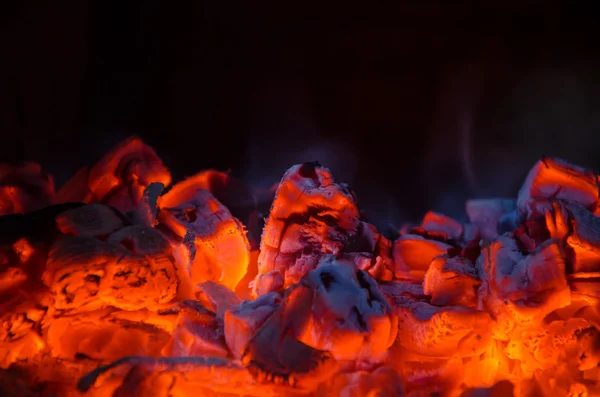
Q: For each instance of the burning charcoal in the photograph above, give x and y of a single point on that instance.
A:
(541, 349)
(179, 376)
(242, 321)
(24, 250)
(232, 193)
(141, 240)
(487, 214)
(485, 369)
(197, 332)
(273, 353)
(22, 264)
(588, 341)
(119, 178)
(75, 268)
(552, 178)
(222, 249)
(579, 389)
(380, 270)
(268, 282)
(579, 230)
(23, 348)
(383, 381)
(184, 253)
(400, 290)
(135, 282)
(452, 281)
(311, 216)
(531, 234)
(19, 318)
(86, 274)
(100, 335)
(519, 288)
(24, 188)
(559, 381)
(341, 310)
(427, 376)
(443, 331)
(166, 316)
(334, 308)
(558, 220)
(94, 220)
(434, 222)
(584, 289)
(470, 251)
(413, 255)
(216, 297)
(146, 212)
(11, 278)
(428, 235)
(437, 331)
(370, 251)
(148, 277)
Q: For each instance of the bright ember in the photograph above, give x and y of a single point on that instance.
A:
(120, 285)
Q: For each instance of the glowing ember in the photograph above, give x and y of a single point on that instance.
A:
(111, 287)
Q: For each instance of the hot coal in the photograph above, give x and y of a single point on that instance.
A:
(119, 285)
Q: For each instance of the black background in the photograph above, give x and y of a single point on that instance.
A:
(415, 106)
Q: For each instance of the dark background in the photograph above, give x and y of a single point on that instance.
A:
(415, 106)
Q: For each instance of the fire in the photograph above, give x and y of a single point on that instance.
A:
(119, 284)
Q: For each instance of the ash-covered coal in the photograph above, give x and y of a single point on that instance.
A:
(121, 285)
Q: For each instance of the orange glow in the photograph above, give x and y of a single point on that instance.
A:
(222, 248)
(118, 179)
(308, 206)
(556, 179)
(136, 292)
(451, 281)
(432, 221)
(24, 188)
(130, 162)
(413, 254)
